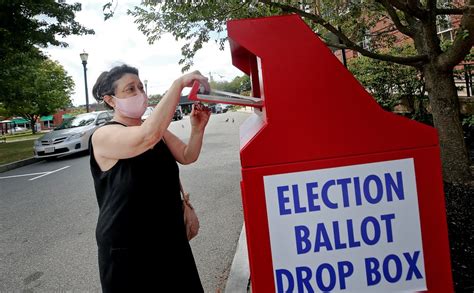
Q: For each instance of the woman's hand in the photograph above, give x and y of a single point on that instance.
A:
(187, 80)
(199, 116)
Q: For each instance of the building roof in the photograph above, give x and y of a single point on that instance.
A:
(20, 120)
(46, 118)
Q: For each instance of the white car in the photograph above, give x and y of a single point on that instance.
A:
(16, 129)
(71, 136)
(147, 113)
(219, 108)
(225, 107)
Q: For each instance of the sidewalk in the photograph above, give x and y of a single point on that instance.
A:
(239, 276)
(21, 139)
(18, 164)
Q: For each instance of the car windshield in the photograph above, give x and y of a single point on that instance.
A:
(80, 120)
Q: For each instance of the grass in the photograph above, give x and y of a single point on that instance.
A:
(15, 151)
(22, 136)
(19, 146)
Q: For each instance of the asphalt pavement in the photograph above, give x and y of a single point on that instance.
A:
(48, 214)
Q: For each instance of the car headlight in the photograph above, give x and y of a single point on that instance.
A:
(37, 142)
(76, 135)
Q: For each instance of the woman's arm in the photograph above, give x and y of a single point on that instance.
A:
(117, 142)
(189, 153)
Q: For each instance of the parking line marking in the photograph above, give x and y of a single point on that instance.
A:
(22, 175)
(47, 173)
(33, 174)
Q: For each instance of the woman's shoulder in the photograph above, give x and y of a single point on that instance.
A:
(103, 133)
(108, 127)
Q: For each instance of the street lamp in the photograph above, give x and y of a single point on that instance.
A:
(84, 57)
(146, 88)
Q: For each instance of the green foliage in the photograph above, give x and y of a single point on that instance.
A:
(391, 83)
(15, 77)
(28, 23)
(154, 99)
(198, 22)
(41, 87)
(468, 121)
(193, 21)
(358, 24)
(238, 85)
(30, 84)
(355, 20)
(363, 26)
(3, 112)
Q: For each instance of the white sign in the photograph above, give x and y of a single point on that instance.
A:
(346, 229)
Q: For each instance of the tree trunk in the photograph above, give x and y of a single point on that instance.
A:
(33, 125)
(445, 110)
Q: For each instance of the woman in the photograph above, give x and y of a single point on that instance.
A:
(140, 232)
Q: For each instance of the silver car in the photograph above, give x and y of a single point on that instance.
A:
(71, 136)
(147, 113)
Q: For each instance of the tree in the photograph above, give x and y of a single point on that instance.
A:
(3, 112)
(42, 88)
(391, 83)
(26, 26)
(238, 85)
(154, 99)
(351, 23)
(28, 23)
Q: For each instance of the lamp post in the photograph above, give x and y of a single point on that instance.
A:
(84, 57)
(146, 86)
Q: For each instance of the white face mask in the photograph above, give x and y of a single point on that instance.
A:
(132, 107)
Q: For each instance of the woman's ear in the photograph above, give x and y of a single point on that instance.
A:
(109, 100)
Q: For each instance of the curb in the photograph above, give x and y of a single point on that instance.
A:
(239, 276)
(18, 164)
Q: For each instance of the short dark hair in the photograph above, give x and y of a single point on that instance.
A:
(105, 84)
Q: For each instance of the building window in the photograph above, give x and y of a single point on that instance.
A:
(366, 42)
(444, 26)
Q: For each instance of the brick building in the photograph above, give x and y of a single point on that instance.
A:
(447, 25)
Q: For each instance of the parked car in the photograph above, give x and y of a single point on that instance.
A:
(17, 129)
(178, 113)
(225, 108)
(219, 109)
(216, 108)
(147, 113)
(71, 136)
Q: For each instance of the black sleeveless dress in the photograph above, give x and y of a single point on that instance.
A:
(140, 231)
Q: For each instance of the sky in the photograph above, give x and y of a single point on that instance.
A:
(118, 41)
